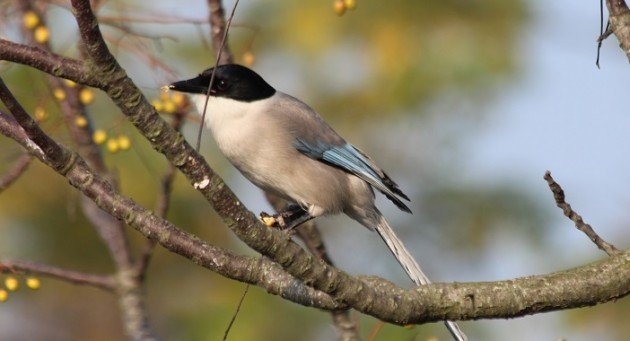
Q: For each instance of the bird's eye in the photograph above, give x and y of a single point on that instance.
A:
(221, 85)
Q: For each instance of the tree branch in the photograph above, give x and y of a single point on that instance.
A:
(110, 230)
(558, 195)
(70, 276)
(48, 62)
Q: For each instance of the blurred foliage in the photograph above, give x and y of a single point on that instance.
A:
(384, 60)
(472, 216)
(407, 51)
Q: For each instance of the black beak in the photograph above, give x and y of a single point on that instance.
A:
(197, 85)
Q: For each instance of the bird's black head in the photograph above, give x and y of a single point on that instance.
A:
(231, 81)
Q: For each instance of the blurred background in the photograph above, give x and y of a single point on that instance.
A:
(465, 103)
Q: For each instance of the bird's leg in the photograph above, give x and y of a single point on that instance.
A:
(296, 218)
(290, 217)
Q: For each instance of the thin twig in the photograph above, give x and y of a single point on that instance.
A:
(16, 171)
(70, 276)
(558, 195)
(603, 34)
(238, 308)
(49, 62)
(219, 30)
(214, 71)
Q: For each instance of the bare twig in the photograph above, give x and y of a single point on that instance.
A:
(48, 62)
(603, 34)
(238, 309)
(214, 70)
(19, 167)
(558, 195)
(219, 31)
(66, 275)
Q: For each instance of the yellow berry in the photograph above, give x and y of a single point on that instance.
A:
(30, 20)
(86, 96)
(157, 104)
(248, 58)
(11, 283)
(169, 107)
(99, 136)
(33, 283)
(339, 7)
(40, 114)
(350, 4)
(4, 295)
(112, 145)
(69, 83)
(59, 94)
(41, 34)
(81, 121)
(124, 142)
(178, 98)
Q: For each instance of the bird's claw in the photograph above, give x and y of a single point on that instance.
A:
(268, 220)
(277, 221)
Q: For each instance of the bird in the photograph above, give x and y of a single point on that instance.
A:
(286, 148)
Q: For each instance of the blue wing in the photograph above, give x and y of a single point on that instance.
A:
(351, 160)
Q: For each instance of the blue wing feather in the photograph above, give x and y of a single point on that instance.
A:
(348, 158)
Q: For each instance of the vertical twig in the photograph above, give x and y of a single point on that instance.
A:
(214, 71)
(218, 31)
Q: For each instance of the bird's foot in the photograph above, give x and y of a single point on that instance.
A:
(268, 220)
(287, 220)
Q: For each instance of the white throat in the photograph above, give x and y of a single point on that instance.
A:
(229, 119)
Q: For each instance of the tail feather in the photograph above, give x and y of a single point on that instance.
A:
(412, 267)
